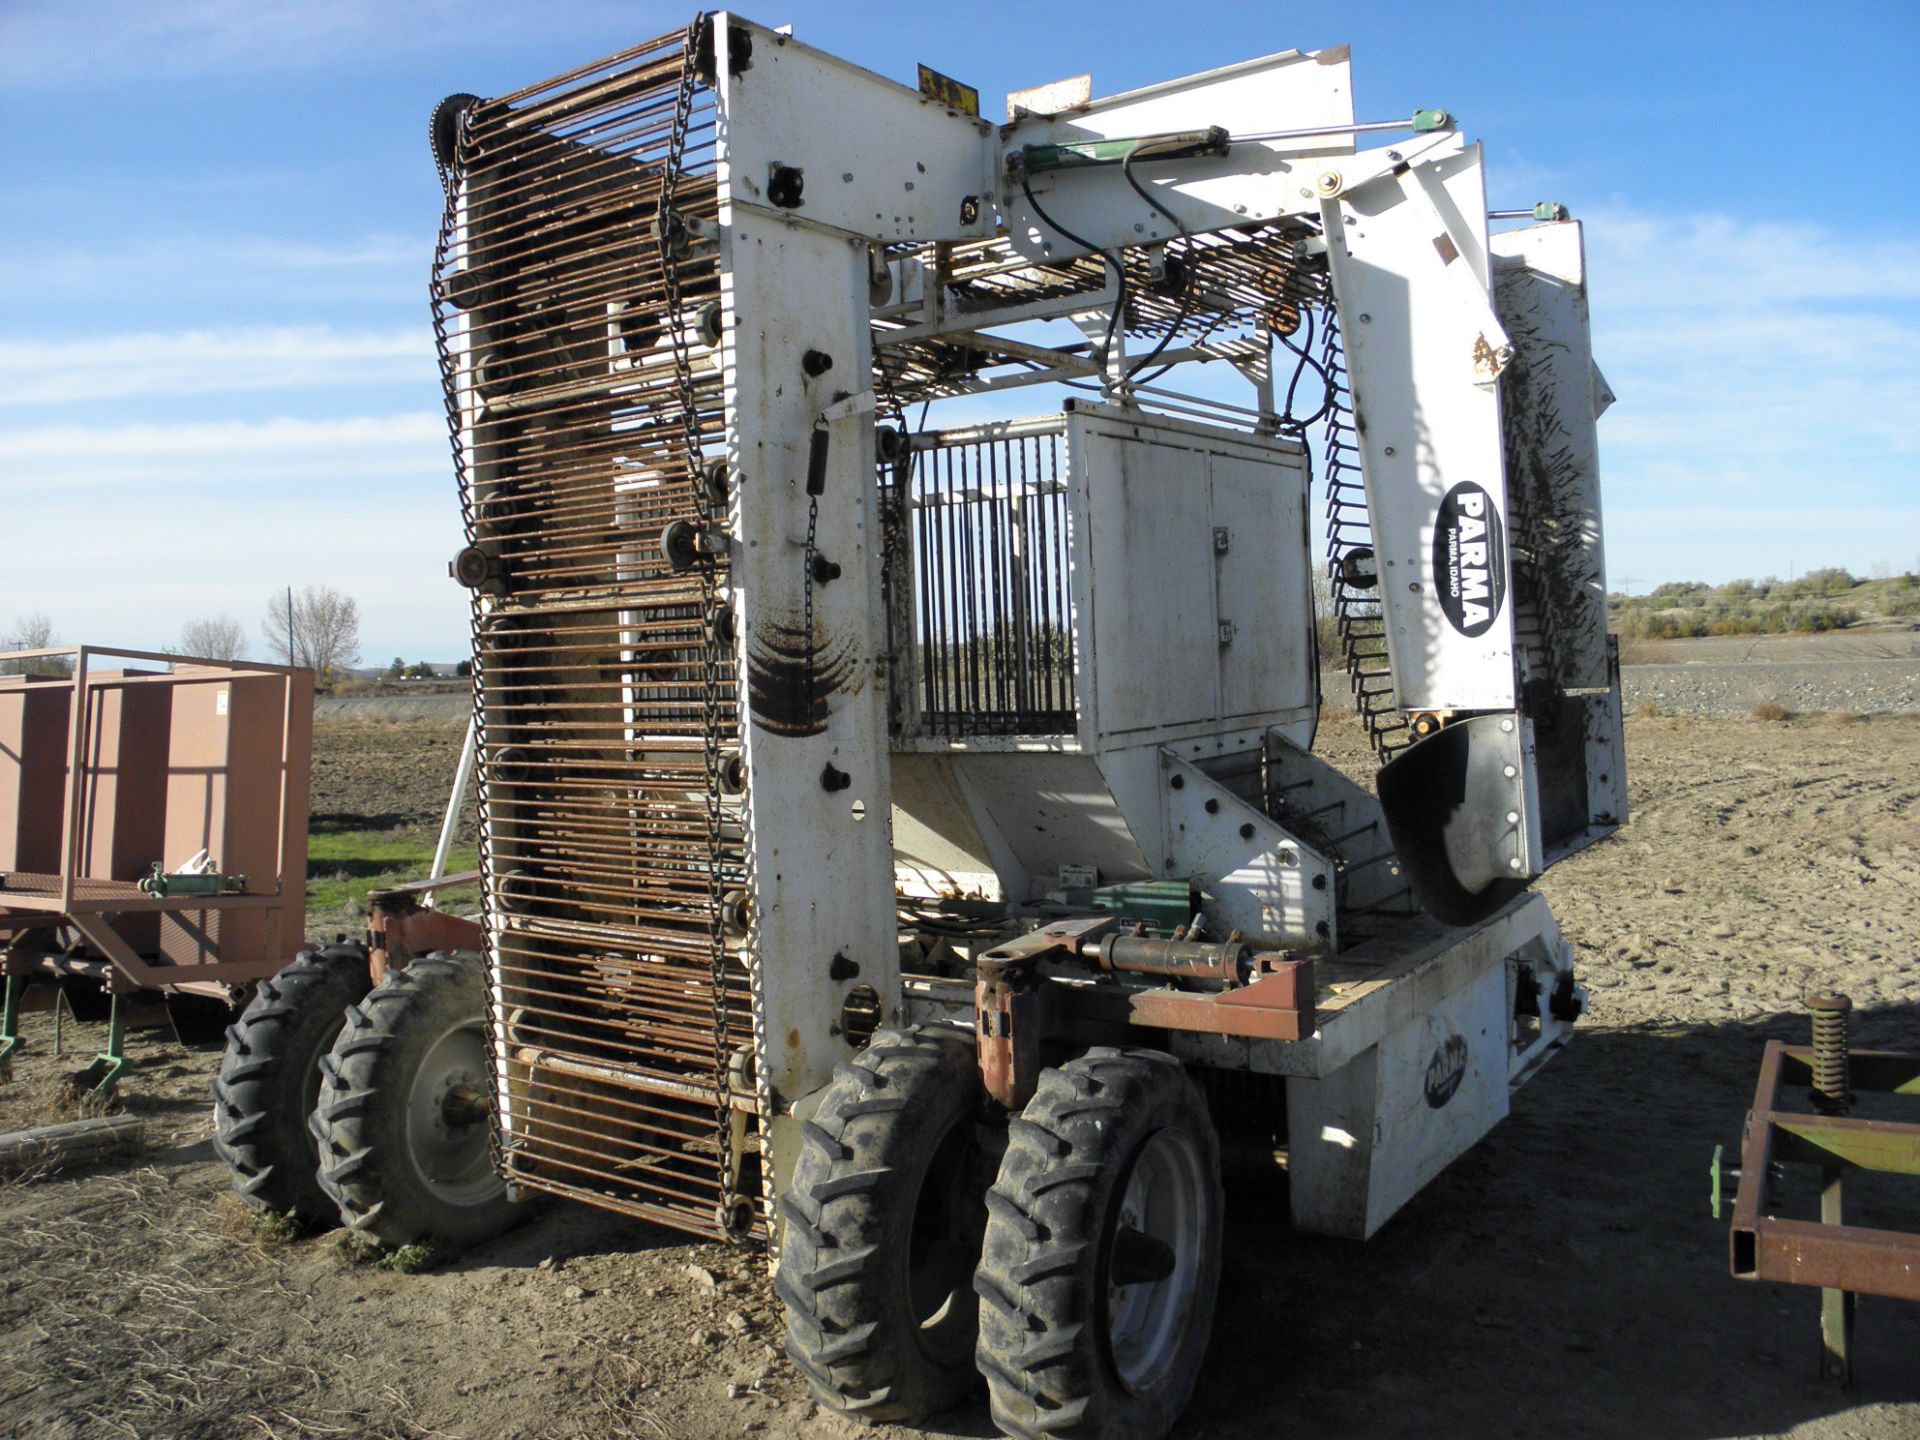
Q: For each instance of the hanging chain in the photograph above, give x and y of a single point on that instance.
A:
(806, 593)
(711, 659)
(449, 175)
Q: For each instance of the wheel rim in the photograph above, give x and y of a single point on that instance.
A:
(447, 1129)
(1164, 1198)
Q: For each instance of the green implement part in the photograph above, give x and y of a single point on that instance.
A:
(159, 883)
(1180, 145)
(10, 1018)
(111, 1063)
(1166, 905)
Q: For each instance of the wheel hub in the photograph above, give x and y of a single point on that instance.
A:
(447, 1132)
(1153, 1258)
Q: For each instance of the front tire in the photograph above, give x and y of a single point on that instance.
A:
(269, 1081)
(882, 1230)
(1102, 1252)
(404, 1122)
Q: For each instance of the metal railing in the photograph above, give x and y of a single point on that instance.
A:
(989, 583)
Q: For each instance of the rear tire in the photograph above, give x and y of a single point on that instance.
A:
(881, 1230)
(404, 1122)
(269, 1081)
(1111, 1177)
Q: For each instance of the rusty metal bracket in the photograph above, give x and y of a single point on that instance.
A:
(1011, 1005)
(400, 927)
(1017, 1009)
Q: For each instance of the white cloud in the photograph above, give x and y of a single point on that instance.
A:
(265, 273)
(1768, 374)
(37, 372)
(39, 462)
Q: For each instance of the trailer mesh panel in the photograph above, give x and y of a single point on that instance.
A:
(990, 586)
(584, 397)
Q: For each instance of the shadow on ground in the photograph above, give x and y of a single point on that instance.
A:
(1565, 1277)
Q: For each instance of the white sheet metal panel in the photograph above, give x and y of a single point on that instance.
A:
(1422, 364)
(939, 851)
(1258, 879)
(1288, 91)
(1149, 560)
(878, 159)
(821, 859)
(1363, 1141)
(1153, 587)
(1263, 596)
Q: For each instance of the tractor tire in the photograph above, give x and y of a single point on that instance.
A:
(881, 1229)
(1101, 1259)
(269, 1081)
(404, 1123)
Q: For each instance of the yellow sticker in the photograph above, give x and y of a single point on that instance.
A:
(949, 92)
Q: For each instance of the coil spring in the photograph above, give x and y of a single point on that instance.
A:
(1832, 1078)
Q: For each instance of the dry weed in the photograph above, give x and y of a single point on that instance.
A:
(1767, 710)
(1843, 717)
(1647, 710)
(240, 1223)
(48, 1098)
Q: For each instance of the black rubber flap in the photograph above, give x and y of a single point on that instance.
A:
(1446, 801)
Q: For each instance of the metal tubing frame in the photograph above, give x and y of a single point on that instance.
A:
(62, 899)
(1852, 1258)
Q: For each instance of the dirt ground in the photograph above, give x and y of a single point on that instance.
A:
(1564, 1279)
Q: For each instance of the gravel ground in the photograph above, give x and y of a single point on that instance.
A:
(1705, 688)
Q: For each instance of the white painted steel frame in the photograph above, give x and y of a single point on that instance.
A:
(821, 858)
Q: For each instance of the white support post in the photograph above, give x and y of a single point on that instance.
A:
(450, 823)
(805, 571)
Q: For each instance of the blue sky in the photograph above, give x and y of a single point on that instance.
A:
(215, 224)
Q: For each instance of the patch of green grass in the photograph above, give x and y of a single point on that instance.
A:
(343, 865)
(406, 1260)
(412, 1259)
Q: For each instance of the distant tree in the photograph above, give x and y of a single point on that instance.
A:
(34, 632)
(420, 670)
(397, 670)
(322, 632)
(217, 637)
(463, 669)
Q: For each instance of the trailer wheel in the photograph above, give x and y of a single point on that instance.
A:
(1102, 1251)
(404, 1122)
(269, 1081)
(882, 1230)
